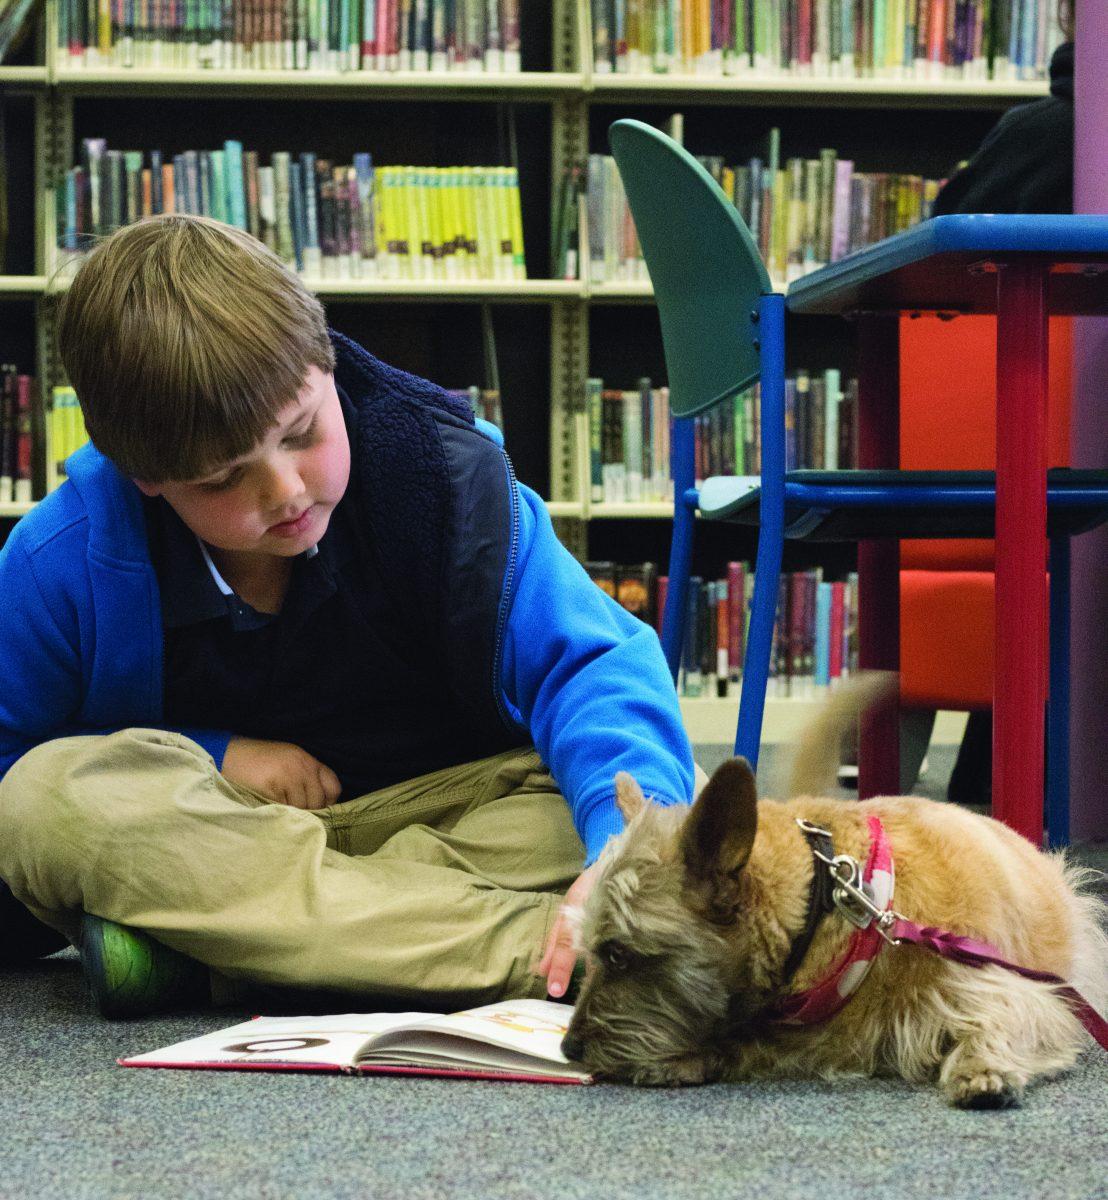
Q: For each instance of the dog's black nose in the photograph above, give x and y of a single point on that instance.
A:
(573, 1048)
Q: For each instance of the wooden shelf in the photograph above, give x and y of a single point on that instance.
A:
(538, 85)
(23, 285)
(11, 510)
(565, 508)
(440, 289)
(556, 508)
(619, 290)
(646, 509)
(24, 77)
(407, 85)
(711, 721)
(825, 90)
(430, 290)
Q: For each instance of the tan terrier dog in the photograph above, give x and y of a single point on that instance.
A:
(708, 933)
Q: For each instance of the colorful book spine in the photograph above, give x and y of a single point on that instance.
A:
(319, 35)
(329, 220)
(801, 216)
(894, 39)
(16, 436)
(814, 625)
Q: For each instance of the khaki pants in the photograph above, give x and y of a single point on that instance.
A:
(440, 889)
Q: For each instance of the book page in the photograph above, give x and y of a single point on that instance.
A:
(325, 1041)
(534, 1028)
(448, 1055)
(516, 1036)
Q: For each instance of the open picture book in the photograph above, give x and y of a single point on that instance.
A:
(516, 1040)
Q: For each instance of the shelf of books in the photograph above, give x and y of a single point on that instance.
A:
(804, 212)
(924, 42)
(353, 230)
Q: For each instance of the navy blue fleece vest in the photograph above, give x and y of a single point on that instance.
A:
(438, 510)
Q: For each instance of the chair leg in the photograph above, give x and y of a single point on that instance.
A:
(682, 453)
(759, 645)
(1058, 705)
(771, 531)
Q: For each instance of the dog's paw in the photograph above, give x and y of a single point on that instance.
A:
(983, 1088)
(689, 1071)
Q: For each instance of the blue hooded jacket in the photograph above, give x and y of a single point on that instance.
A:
(530, 644)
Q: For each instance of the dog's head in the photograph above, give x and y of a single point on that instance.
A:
(660, 931)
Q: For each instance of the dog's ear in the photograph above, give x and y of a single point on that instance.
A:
(629, 797)
(719, 835)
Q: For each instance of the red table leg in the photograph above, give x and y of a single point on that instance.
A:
(879, 559)
(1021, 608)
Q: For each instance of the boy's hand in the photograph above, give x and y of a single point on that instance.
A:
(560, 955)
(281, 772)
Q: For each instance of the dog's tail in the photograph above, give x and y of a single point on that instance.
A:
(816, 761)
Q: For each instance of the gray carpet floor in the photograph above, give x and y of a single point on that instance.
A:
(73, 1125)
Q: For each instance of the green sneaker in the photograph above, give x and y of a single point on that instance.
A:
(132, 975)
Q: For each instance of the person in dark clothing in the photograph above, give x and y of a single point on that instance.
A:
(1024, 165)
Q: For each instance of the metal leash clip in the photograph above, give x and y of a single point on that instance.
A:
(855, 903)
(850, 897)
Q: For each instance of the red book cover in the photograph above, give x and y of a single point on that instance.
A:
(736, 617)
(382, 39)
(803, 47)
(937, 32)
(23, 427)
(835, 649)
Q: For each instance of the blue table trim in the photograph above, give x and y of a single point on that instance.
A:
(834, 288)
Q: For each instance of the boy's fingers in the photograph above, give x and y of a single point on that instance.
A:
(561, 971)
(548, 950)
(304, 792)
(329, 783)
(315, 795)
(559, 959)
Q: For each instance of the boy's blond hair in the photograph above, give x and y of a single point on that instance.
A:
(184, 338)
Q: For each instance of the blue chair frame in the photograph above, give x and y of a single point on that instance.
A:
(776, 491)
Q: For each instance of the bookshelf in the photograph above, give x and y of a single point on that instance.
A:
(552, 333)
(802, 91)
(711, 722)
(131, 81)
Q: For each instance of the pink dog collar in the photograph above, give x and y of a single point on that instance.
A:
(823, 1001)
(867, 903)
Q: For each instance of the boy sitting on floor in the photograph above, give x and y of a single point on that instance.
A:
(284, 664)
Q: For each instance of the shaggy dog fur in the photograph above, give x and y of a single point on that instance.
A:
(691, 922)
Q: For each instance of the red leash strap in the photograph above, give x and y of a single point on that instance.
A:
(979, 954)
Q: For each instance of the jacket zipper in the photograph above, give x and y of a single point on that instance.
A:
(505, 601)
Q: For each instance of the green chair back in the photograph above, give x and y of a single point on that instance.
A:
(706, 270)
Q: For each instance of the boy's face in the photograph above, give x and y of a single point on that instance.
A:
(277, 500)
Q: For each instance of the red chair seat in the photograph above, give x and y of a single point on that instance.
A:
(948, 422)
